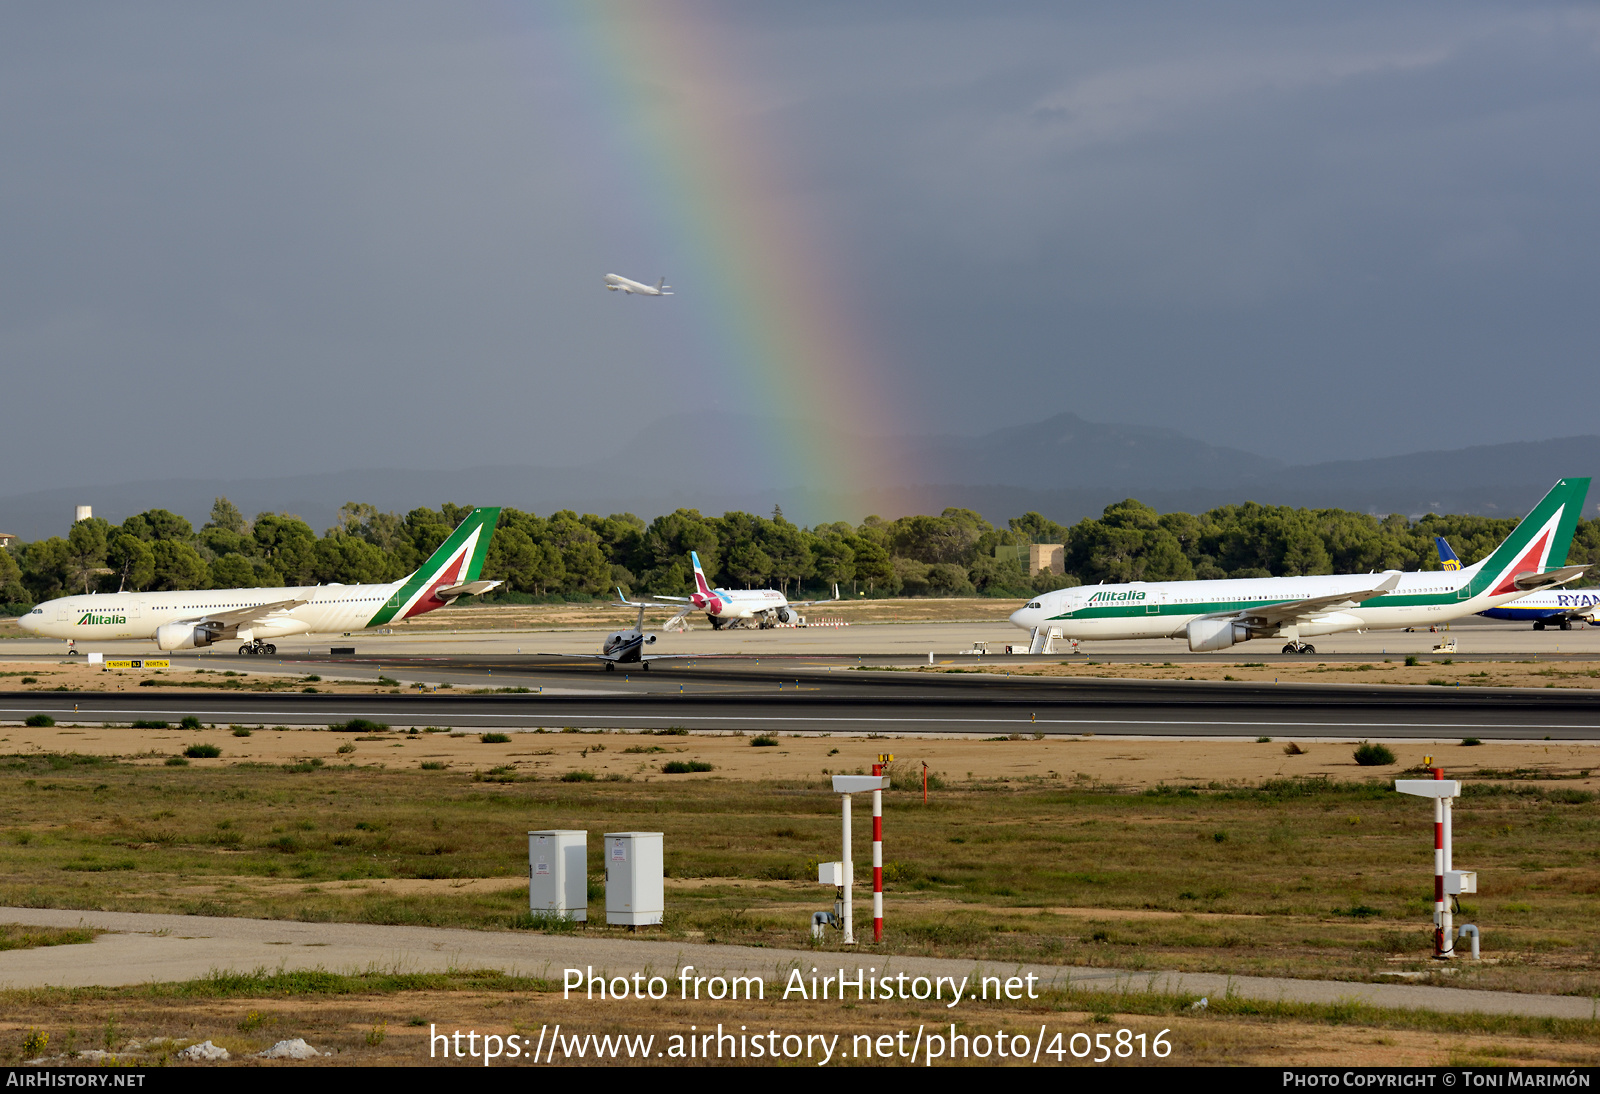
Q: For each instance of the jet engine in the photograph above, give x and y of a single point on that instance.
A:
(1206, 635)
(783, 615)
(180, 636)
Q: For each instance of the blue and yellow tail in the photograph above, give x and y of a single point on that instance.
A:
(1447, 557)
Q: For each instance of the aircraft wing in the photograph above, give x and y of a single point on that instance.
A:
(679, 609)
(807, 603)
(1530, 581)
(624, 602)
(1272, 615)
(258, 613)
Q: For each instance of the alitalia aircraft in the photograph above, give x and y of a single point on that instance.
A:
(1541, 609)
(190, 619)
(1214, 615)
(617, 281)
(736, 607)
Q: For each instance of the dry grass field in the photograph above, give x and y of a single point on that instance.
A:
(1225, 856)
(1221, 856)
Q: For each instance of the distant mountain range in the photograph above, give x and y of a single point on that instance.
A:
(1063, 467)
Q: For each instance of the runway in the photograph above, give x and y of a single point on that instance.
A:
(803, 695)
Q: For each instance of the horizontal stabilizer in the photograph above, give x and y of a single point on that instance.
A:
(1549, 578)
(470, 588)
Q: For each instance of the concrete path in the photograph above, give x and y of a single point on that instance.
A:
(143, 948)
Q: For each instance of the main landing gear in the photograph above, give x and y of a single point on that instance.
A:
(258, 649)
(1299, 647)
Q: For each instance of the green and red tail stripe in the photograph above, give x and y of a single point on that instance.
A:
(1538, 543)
(458, 560)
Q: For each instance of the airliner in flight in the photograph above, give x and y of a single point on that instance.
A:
(1214, 615)
(194, 618)
(617, 281)
(737, 607)
(1543, 610)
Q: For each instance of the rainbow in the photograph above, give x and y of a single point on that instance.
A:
(765, 303)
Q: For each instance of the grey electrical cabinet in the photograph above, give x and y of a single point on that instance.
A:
(558, 873)
(635, 892)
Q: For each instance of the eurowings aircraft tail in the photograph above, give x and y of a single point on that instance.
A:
(1447, 557)
(450, 572)
(1534, 555)
(701, 585)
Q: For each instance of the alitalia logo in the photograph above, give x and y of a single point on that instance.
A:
(90, 618)
(1107, 597)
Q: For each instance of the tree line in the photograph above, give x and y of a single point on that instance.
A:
(565, 556)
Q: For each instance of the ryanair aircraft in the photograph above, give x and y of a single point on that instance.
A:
(201, 617)
(1214, 615)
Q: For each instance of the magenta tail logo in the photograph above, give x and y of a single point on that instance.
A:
(705, 597)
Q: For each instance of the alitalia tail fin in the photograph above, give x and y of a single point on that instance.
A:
(451, 571)
(1539, 543)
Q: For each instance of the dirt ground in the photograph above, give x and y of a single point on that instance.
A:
(398, 1030)
(1133, 763)
(76, 675)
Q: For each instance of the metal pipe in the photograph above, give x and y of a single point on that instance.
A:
(849, 873)
(1473, 928)
(1439, 951)
(1447, 918)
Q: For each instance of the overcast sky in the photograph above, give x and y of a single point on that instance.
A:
(271, 238)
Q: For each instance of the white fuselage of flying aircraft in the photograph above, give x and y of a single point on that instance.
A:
(617, 281)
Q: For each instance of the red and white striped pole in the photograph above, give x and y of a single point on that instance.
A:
(877, 851)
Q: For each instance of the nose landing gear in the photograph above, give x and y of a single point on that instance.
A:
(255, 649)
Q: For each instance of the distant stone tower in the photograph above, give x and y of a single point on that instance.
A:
(82, 512)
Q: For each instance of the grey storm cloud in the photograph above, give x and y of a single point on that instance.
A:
(261, 239)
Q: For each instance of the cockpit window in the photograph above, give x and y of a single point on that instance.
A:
(1035, 604)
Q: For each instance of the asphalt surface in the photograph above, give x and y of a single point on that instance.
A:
(806, 695)
(147, 948)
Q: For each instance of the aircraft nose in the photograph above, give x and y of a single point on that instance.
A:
(26, 622)
(1023, 617)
